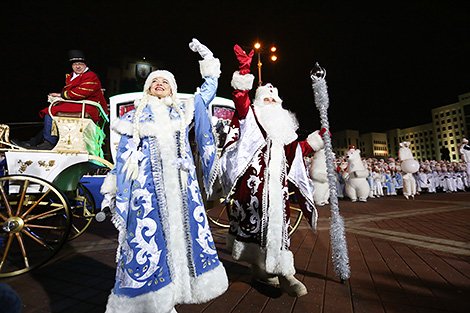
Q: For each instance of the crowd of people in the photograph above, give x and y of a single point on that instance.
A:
(385, 177)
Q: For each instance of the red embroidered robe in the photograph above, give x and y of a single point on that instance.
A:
(258, 171)
(85, 86)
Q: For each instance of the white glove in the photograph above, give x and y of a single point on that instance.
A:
(196, 46)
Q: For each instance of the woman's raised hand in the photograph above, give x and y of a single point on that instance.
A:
(196, 46)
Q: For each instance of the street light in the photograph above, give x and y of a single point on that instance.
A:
(259, 50)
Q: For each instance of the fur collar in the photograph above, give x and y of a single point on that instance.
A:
(152, 115)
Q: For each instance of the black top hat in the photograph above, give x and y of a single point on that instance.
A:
(76, 56)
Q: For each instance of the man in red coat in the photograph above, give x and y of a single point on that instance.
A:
(81, 84)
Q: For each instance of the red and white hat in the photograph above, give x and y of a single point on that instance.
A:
(266, 91)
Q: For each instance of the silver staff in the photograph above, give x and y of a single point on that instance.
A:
(337, 233)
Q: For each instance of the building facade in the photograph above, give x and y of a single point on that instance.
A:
(374, 145)
(343, 140)
(421, 140)
(438, 140)
(451, 124)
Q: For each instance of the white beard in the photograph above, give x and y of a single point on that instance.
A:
(279, 124)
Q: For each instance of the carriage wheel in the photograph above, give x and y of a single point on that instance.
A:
(295, 219)
(83, 209)
(220, 214)
(34, 220)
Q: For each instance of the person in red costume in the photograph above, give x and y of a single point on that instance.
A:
(81, 84)
(260, 158)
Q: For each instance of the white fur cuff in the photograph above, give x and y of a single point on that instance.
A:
(109, 184)
(210, 67)
(315, 141)
(242, 82)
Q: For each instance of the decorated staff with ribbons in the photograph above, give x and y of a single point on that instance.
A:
(339, 247)
(260, 158)
(166, 253)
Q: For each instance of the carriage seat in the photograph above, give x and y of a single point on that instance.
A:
(73, 134)
(77, 132)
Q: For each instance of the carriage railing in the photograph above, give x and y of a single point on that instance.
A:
(54, 100)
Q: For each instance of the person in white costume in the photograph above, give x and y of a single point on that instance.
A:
(166, 253)
(409, 166)
(464, 151)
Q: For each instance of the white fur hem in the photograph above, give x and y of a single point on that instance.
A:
(161, 301)
(109, 184)
(210, 67)
(242, 82)
(204, 288)
(209, 285)
(253, 254)
(315, 141)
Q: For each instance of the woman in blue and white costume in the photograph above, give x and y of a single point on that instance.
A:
(166, 254)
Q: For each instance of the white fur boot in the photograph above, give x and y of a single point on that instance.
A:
(259, 274)
(292, 286)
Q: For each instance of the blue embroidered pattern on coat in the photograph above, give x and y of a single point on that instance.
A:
(144, 263)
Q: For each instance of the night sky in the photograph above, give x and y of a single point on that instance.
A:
(388, 63)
